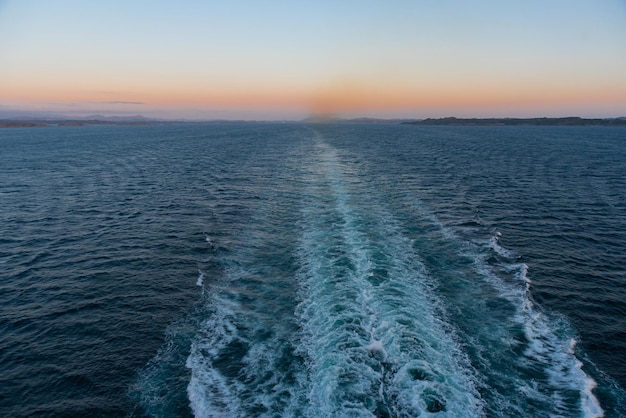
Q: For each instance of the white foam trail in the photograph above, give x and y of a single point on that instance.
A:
(590, 404)
(210, 392)
(545, 346)
(200, 281)
(557, 354)
(241, 359)
(373, 332)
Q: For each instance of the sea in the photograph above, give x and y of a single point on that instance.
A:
(312, 270)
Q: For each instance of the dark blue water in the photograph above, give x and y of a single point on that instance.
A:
(294, 270)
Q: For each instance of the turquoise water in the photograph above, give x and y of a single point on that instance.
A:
(313, 270)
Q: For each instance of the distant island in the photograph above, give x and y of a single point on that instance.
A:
(568, 121)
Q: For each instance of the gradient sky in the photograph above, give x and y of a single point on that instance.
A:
(289, 59)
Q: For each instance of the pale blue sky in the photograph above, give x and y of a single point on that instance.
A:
(286, 59)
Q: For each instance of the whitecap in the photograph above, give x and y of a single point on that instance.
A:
(494, 244)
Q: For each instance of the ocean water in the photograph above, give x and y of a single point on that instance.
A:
(276, 270)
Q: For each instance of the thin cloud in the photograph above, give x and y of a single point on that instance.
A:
(117, 102)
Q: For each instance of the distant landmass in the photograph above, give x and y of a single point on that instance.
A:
(41, 120)
(23, 121)
(567, 121)
(60, 120)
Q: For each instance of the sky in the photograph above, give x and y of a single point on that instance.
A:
(292, 59)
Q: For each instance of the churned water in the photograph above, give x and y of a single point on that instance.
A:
(246, 270)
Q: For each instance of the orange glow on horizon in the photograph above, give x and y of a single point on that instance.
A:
(354, 99)
(334, 99)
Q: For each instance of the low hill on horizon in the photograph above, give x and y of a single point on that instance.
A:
(566, 121)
